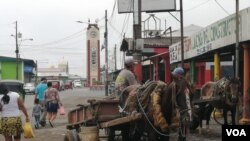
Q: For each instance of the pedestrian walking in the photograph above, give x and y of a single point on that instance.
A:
(11, 121)
(52, 100)
(36, 113)
(39, 94)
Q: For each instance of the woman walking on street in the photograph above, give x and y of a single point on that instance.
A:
(52, 101)
(11, 122)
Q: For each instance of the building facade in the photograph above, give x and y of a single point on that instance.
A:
(25, 71)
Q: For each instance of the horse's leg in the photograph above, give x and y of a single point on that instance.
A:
(201, 108)
(152, 136)
(125, 132)
(200, 123)
(165, 137)
(182, 134)
(111, 134)
(209, 111)
(225, 116)
(233, 113)
(135, 133)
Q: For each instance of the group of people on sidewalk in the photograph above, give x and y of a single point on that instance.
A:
(46, 103)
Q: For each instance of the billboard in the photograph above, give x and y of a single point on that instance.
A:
(127, 6)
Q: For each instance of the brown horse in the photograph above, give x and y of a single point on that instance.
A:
(222, 94)
(163, 107)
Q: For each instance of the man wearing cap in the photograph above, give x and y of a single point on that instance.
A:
(39, 94)
(177, 74)
(126, 77)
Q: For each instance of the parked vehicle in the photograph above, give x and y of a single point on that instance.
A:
(15, 86)
(68, 85)
(77, 84)
(29, 88)
(58, 84)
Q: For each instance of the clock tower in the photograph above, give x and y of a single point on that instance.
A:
(93, 54)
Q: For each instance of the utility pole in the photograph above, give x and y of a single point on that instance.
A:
(137, 35)
(36, 73)
(106, 53)
(17, 52)
(115, 58)
(182, 42)
(237, 53)
(237, 40)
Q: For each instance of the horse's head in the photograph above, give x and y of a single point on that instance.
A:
(232, 90)
(183, 93)
(177, 96)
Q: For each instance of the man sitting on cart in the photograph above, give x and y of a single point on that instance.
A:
(126, 77)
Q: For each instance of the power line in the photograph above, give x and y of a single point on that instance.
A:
(196, 6)
(72, 36)
(222, 7)
(113, 11)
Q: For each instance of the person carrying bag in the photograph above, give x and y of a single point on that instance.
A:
(11, 121)
(28, 130)
(61, 110)
(52, 100)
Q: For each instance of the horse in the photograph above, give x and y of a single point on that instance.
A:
(222, 94)
(163, 106)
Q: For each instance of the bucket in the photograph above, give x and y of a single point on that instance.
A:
(90, 133)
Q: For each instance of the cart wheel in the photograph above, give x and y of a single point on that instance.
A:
(218, 116)
(71, 135)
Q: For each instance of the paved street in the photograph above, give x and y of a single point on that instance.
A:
(70, 98)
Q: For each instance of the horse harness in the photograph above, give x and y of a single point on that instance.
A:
(220, 90)
(154, 89)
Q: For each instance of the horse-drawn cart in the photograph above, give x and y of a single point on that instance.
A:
(84, 121)
(222, 95)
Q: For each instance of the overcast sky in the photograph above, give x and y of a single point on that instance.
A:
(52, 24)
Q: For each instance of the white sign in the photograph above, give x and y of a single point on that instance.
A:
(218, 35)
(126, 6)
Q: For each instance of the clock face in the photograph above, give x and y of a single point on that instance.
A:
(93, 34)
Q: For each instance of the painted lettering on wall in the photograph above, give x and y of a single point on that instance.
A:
(215, 32)
(217, 35)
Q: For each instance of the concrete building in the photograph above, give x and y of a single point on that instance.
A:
(61, 72)
(26, 69)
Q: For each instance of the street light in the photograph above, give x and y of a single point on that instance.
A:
(82, 22)
(29, 39)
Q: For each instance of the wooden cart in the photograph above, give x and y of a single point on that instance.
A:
(198, 110)
(97, 114)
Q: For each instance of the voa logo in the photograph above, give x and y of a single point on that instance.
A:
(236, 132)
